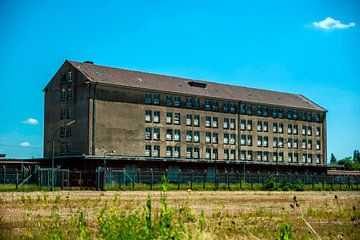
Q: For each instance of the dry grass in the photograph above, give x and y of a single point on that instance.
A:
(228, 215)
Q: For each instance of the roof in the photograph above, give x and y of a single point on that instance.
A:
(177, 85)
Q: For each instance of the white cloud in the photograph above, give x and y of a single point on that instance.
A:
(25, 144)
(329, 23)
(31, 121)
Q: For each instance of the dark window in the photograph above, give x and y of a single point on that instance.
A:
(68, 131)
(295, 115)
(207, 105)
(281, 113)
(225, 107)
(317, 117)
(232, 108)
(62, 94)
(169, 101)
(69, 77)
(215, 106)
(274, 113)
(156, 99)
(69, 94)
(289, 114)
(63, 78)
(69, 113)
(242, 109)
(62, 149)
(147, 98)
(177, 102)
(62, 131)
(309, 116)
(265, 111)
(189, 103)
(259, 111)
(62, 113)
(196, 103)
(248, 110)
(303, 116)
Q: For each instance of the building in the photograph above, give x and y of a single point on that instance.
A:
(135, 114)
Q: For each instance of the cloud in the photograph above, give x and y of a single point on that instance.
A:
(31, 121)
(329, 23)
(25, 144)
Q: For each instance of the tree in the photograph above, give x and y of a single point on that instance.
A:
(356, 157)
(333, 159)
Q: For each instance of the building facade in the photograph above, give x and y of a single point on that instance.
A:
(129, 113)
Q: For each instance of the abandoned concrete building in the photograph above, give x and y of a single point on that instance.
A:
(145, 116)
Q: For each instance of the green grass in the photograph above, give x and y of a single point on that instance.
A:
(24, 188)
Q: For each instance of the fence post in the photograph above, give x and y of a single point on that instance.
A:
(204, 179)
(216, 179)
(322, 181)
(179, 179)
(312, 180)
(152, 178)
(133, 181)
(331, 182)
(341, 179)
(238, 178)
(120, 179)
(227, 179)
(138, 175)
(250, 179)
(17, 179)
(192, 179)
(4, 174)
(258, 173)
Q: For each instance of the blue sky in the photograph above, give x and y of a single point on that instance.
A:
(262, 44)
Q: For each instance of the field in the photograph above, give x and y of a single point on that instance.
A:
(180, 215)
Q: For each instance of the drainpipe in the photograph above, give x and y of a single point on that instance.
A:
(94, 121)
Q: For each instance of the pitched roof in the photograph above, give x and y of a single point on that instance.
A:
(158, 82)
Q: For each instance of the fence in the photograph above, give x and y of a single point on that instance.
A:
(132, 178)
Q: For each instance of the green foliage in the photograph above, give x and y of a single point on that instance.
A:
(332, 159)
(270, 184)
(202, 223)
(285, 231)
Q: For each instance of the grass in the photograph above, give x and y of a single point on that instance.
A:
(167, 214)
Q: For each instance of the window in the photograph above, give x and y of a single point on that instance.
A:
(274, 113)
(295, 143)
(169, 117)
(242, 155)
(69, 77)
(274, 127)
(303, 146)
(304, 158)
(295, 115)
(289, 131)
(317, 117)
(69, 113)
(225, 107)
(281, 142)
(232, 154)
(248, 110)
(232, 123)
(148, 115)
(233, 139)
(289, 114)
(309, 131)
(177, 119)
(317, 131)
(232, 108)
(68, 131)
(275, 157)
(188, 152)
(242, 109)
(148, 133)
(226, 138)
(196, 103)
(62, 148)
(148, 151)
(177, 152)
(62, 132)
(169, 101)
(249, 156)
(69, 94)
(156, 99)
(169, 135)
(156, 151)
(265, 111)
(177, 102)
(226, 154)
(156, 135)
(207, 105)
(290, 157)
(303, 131)
(62, 94)
(266, 142)
(275, 142)
(196, 152)
(188, 120)
(303, 116)
(207, 121)
(63, 78)
(215, 106)
(148, 98)
(156, 116)
(259, 126)
(169, 151)
(188, 136)
(207, 137)
(249, 125)
(208, 153)
(281, 127)
(281, 113)
(259, 156)
(196, 136)
(281, 157)
(259, 111)
(295, 131)
(265, 156)
(215, 138)
(296, 157)
(243, 140)
(289, 143)
(242, 124)
(177, 135)
(196, 120)
(188, 103)
(259, 141)
(215, 122)
(318, 158)
(309, 145)
(309, 116)
(249, 140)
(266, 126)
(215, 154)
(317, 145)
(226, 123)
(62, 113)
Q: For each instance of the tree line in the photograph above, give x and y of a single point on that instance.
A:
(349, 163)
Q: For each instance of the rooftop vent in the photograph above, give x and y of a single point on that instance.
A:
(197, 84)
(90, 62)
